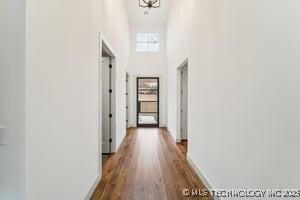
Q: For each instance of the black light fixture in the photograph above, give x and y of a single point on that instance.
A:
(149, 3)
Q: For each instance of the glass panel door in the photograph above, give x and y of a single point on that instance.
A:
(147, 102)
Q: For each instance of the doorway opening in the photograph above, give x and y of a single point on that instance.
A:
(107, 101)
(184, 103)
(182, 135)
(147, 102)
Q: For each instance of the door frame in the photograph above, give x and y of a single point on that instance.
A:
(104, 46)
(179, 103)
(137, 104)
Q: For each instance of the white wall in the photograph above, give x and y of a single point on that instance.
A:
(177, 34)
(62, 92)
(148, 64)
(115, 28)
(243, 90)
(12, 98)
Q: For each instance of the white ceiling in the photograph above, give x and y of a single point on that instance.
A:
(156, 15)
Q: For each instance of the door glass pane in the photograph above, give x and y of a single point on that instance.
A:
(148, 107)
(148, 84)
(148, 118)
(148, 95)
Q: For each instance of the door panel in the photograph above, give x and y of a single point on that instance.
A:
(148, 107)
(184, 102)
(105, 105)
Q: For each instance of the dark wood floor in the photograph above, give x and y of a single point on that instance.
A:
(182, 146)
(148, 166)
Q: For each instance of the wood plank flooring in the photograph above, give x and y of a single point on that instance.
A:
(148, 166)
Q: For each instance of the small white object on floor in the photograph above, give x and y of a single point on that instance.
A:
(147, 120)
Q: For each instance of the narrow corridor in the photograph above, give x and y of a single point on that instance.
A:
(148, 166)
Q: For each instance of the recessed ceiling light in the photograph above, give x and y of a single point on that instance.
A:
(146, 12)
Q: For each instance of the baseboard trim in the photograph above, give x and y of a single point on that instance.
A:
(178, 140)
(91, 192)
(201, 175)
(174, 139)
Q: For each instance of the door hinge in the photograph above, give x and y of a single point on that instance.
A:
(110, 140)
(110, 90)
(110, 115)
(110, 66)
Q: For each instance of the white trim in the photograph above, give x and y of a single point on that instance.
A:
(163, 126)
(91, 191)
(174, 139)
(183, 64)
(178, 140)
(178, 96)
(201, 175)
(105, 45)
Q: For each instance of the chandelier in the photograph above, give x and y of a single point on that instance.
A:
(149, 3)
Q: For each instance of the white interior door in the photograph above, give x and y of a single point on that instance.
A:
(105, 105)
(184, 102)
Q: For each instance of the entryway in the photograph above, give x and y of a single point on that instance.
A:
(107, 101)
(147, 102)
(182, 134)
(184, 103)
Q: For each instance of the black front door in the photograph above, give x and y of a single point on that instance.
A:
(147, 102)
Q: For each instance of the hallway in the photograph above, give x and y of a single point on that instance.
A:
(148, 165)
(82, 79)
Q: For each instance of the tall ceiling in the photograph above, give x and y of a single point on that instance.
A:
(156, 16)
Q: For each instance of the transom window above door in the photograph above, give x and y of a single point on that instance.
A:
(147, 42)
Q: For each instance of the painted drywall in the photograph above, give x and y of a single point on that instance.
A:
(115, 28)
(148, 64)
(12, 99)
(177, 33)
(62, 93)
(243, 127)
